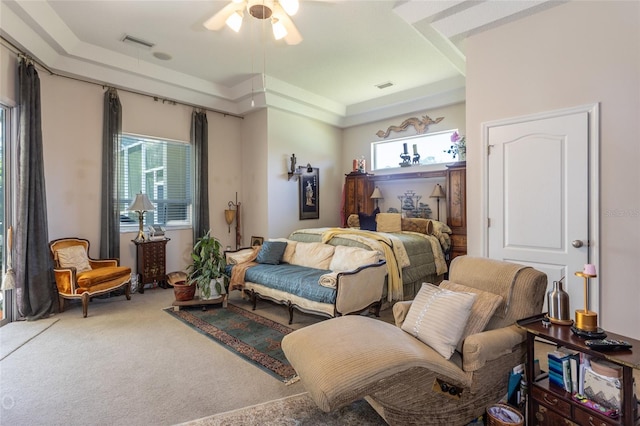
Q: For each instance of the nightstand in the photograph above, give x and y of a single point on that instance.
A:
(151, 258)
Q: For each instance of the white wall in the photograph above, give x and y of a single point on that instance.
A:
(573, 54)
(357, 142)
(313, 142)
(72, 148)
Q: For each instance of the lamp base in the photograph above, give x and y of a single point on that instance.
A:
(586, 320)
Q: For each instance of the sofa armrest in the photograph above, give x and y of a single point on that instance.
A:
(356, 290)
(400, 310)
(489, 345)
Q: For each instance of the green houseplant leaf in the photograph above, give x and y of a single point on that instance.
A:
(208, 263)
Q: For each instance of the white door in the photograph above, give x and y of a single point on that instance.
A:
(538, 197)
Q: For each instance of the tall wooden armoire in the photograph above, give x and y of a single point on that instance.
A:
(457, 208)
(358, 188)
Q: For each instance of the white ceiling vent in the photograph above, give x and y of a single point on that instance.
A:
(137, 42)
(384, 85)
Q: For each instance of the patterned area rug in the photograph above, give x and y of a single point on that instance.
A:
(294, 410)
(255, 338)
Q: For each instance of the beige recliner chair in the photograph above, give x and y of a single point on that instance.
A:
(407, 381)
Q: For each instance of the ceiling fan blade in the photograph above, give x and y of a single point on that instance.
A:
(217, 21)
(293, 35)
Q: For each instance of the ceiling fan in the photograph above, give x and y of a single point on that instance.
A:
(278, 11)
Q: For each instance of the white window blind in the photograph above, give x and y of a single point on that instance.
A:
(161, 169)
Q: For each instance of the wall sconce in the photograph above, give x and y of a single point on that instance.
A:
(437, 193)
(141, 205)
(376, 195)
(296, 171)
(230, 214)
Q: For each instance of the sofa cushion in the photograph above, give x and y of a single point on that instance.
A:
(438, 317)
(351, 258)
(388, 222)
(313, 255)
(271, 252)
(481, 312)
(74, 257)
(294, 279)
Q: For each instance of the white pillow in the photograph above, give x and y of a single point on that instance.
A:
(438, 317)
(481, 312)
(350, 258)
(74, 256)
(313, 255)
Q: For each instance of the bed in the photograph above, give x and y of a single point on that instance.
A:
(414, 249)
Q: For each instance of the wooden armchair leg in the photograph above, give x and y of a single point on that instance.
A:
(127, 290)
(62, 303)
(85, 303)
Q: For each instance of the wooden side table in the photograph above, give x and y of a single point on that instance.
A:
(550, 405)
(151, 258)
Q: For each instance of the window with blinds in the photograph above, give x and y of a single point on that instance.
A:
(161, 169)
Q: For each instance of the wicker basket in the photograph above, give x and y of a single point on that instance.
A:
(504, 415)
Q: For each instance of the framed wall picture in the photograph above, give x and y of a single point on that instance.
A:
(256, 241)
(309, 194)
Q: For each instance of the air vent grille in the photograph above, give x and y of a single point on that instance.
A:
(384, 85)
(137, 41)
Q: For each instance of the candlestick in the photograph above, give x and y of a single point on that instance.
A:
(585, 319)
(404, 145)
(415, 149)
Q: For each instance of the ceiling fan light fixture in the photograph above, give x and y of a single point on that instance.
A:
(279, 31)
(234, 21)
(290, 6)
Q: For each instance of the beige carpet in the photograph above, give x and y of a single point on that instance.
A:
(296, 410)
(16, 334)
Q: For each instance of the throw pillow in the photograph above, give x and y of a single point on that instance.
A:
(289, 252)
(438, 317)
(367, 222)
(389, 222)
(74, 256)
(481, 312)
(271, 252)
(351, 258)
(313, 255)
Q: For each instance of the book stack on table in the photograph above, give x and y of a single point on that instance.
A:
(564, 370)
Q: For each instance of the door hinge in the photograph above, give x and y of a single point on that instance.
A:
(489, 149)
(488, 222)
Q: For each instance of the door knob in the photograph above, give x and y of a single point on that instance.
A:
(577, 243)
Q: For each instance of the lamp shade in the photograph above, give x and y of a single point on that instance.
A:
(141, 203)
(376, 194)
(438, 192)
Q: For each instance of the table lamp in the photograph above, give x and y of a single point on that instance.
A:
(437, 193)
(376, 195)
(141, 205)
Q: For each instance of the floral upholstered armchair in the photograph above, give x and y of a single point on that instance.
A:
(80, 277)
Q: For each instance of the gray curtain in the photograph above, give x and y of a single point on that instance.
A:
(35, 286)
(110, 211)
(199, 142)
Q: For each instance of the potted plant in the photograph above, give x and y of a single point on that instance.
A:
(459, 147)
(208, 265)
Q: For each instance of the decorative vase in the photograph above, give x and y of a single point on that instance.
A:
(558, 304)
(184, 292)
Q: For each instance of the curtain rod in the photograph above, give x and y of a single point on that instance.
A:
(19, 52)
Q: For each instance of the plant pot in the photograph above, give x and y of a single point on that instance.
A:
(184, 292)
